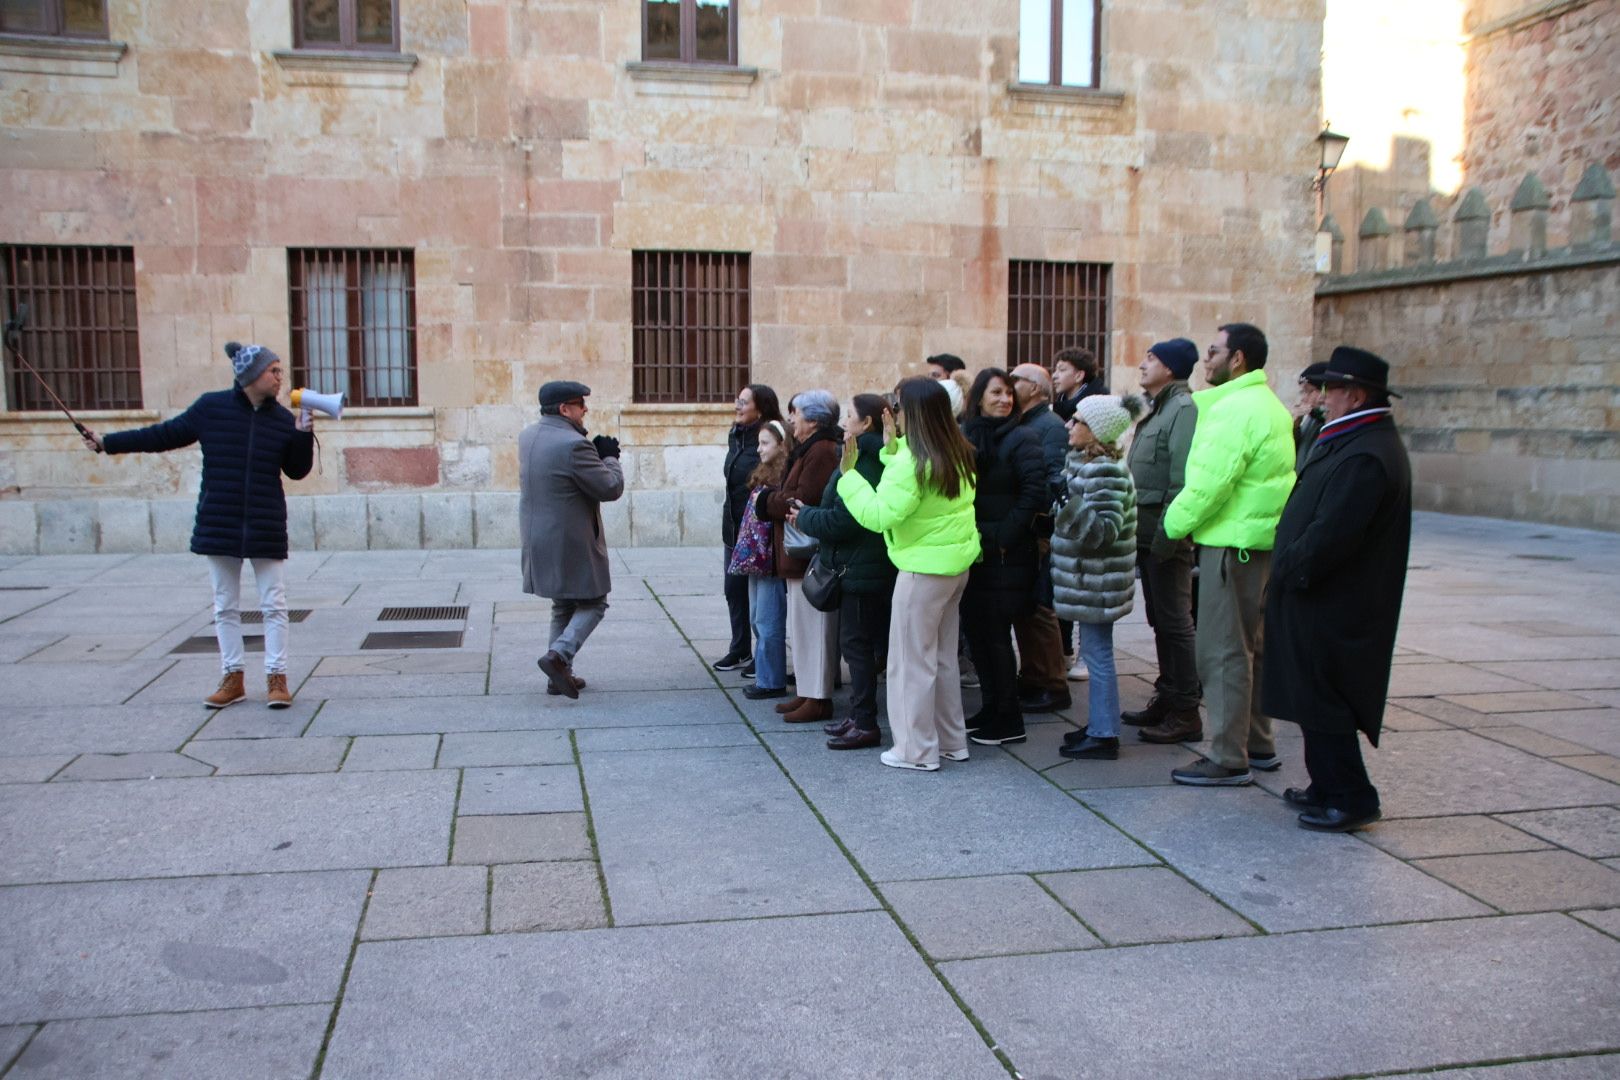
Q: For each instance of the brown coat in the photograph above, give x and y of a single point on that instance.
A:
(812, 464)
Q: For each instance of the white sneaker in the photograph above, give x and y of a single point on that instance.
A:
(888, 758)
(954, 755)
(1079, 673)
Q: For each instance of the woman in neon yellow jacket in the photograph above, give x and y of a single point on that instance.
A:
(923, 506)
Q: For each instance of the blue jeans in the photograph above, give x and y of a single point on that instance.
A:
(1102, 692)
(767, 614)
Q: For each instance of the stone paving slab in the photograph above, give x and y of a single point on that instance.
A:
(545, 896)
(1432, 680)
(1607, 920)
(667, 738)
(16, 646)
(516, 838)
(1426, 995)
(1468, 834)
(278, 1043)
(106, 948)
(254, 721)
(1142, 904)
(32, 768)
(955, 918)
(1560, 674)
(710, 834)
(520, 789)
(768, 997)
(374, 687)
(488, 748)
(1590, 1067)
(378, 753)
(12, 1039)
(516, 712)
(1596, 728)
(989, 815)
(133, 767)
(1246, 848)
(1593, 831)
(1521, 702)
(244, 757)
(186, 680)
(426, 901)
(1533, 742)
(1600, 765)
(1531, 880)
(106, 729)
(223, 825)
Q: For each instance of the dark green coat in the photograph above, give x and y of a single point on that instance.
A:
(845, 543)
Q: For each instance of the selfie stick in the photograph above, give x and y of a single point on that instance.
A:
(14, 327)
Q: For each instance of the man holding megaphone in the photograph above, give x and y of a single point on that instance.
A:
(249, 441)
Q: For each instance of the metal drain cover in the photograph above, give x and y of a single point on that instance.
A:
(256, 618)
(200, 645)
(412, 639)
(422, 614)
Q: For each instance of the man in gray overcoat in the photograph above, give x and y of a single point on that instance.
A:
(565, 478)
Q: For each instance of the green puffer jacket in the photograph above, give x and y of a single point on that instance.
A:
(1240, 469)
(1158, 456)
(846, 544)
(1094, 542)
(925, 532)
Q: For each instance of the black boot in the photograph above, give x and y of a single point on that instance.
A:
(1154, 714)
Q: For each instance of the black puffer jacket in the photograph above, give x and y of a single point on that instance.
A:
(241, 510)
(1011, 491)
(742, 458)
(845, 543)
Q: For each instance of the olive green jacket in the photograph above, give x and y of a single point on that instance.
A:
(1158, 457)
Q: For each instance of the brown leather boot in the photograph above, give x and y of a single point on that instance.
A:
(1155, 712)
(792, 704)
(1179, 725)
(276, 693)
(230, 691)
(813, 709)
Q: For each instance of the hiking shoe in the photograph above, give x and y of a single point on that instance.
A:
(731, 662)
(231, 690)
(1206, 773)
(556, 669)
(1265, 762)
(1174, 727)
(1153, 713)
(894, 761)
(276, 693)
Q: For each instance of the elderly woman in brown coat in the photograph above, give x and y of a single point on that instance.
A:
(813, 634)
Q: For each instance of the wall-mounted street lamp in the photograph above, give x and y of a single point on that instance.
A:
(1329, 242)
(1331, 144)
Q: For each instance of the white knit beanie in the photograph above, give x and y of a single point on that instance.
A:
(1109, 417)
(954, 392)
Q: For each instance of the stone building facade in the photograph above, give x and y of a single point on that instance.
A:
(881, 163)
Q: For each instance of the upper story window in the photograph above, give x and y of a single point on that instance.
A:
(1053, 305)
(79, 329)
(689, 31)
(345, 24)
(1059, 42)
(55, 18)
(353, 322)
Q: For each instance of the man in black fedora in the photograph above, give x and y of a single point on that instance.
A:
(1334, 600)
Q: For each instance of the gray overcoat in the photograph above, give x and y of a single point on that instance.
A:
(564, 483)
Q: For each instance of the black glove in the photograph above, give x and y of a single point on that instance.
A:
(606, 446)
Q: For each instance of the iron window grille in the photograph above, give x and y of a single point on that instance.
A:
(358, 25)
(690, 317)
(353, 322)
(1060, 42)
(1051, 306)
(689, 31)
(55, 18)
(81, 330)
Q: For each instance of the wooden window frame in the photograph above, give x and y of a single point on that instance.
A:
(1038, 286)
(71, 336)
(688, 35)
(348, 30)
(55, 12)
(1054, 76)
(355, 330)
(673, 338)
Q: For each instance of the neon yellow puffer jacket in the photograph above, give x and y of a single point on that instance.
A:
(1240, 468)
(926, 533)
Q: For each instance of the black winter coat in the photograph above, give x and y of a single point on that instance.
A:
(742, 458)
(845, 543)
(1338, 572)
(1011, 490)
(241, 509)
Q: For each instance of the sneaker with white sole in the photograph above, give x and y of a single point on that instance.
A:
(954, 755)
(1207, 773)
(889, 758)
(1265, 762)
(1079, 672)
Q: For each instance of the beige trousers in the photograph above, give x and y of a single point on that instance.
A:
(925, 680)
(813, 636)
(1230, 647)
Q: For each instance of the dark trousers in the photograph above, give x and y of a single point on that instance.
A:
(989, 635)
(1338, 775)
(1167, 593)
(863, 631)
(742, 643)
(1066, 631)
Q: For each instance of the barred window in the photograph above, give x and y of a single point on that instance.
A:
(1060, 42)
(54, 18)
(689, 31)
(690, 319)
(353, 321)
(371, 25)
(1051, 306)
(80, 330)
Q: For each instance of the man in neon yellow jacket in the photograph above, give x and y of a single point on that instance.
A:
(1239, 473)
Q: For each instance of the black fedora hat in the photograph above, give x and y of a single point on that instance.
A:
(1313, 374)
(1357, 367)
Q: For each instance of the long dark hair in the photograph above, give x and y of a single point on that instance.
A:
(981, 383)
(766, 402)
(944, 456)
(870, 407)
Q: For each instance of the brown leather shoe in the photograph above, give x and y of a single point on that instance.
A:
(1153, 714)
(792, 704)
(856, 739)
(556, 691)
(558, 673)
(1182, 725)
(276, 692)
(813, 710)
(840, 727)
(230, 691)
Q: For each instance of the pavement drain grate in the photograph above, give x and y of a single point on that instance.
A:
(422, 614)
(256, 618)
(413, 639)
(196, 645)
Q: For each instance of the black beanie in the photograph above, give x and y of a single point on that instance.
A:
(1177, 354)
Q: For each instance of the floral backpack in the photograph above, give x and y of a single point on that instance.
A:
(754, 554)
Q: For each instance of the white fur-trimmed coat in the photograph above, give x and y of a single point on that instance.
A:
(1094, 541)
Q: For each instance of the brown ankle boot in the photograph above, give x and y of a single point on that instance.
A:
(1153, 714)
(813, 709)
(1178, 725)
(230, 691)
(792, 704)
(276, 692)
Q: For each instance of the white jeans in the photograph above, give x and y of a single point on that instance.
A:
(271, 577)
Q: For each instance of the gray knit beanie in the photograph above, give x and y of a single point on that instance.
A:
(249, 361)
(1109, 417)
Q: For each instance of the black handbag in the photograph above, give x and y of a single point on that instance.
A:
(823, 585)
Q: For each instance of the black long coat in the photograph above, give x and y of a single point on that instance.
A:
(742, 457)
(1337, 575)
(1010, 492)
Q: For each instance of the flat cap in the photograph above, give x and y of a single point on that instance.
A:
(561, 390)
